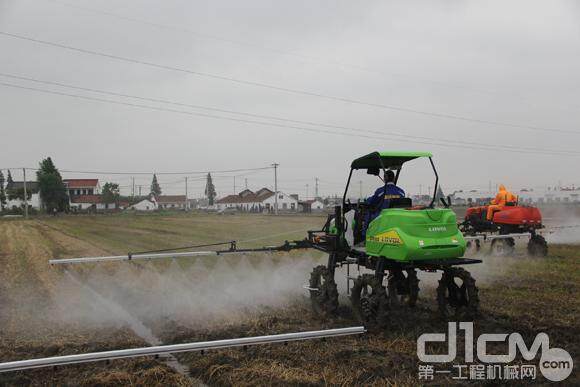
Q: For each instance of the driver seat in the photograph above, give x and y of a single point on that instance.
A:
(400, 203)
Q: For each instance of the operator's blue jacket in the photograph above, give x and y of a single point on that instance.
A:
(391, 191)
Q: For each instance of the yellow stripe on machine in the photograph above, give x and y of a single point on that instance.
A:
(389, 238)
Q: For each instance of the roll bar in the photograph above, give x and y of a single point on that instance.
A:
(436, 183)
(431, 205)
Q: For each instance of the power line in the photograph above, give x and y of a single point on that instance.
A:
(286, 52)
(286, 89)
(263, 123)
(129, 178)
(151, 173)
(198, 34)
(510, 147)
(267, 123)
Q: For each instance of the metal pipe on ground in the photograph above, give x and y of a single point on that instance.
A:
(175, 348)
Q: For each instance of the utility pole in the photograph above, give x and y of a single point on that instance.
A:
(420, 189)
(25, 194)
(316, 187)
(306, 191)
(360, 189)
(275, 165)
(140, 189)
(186, 201)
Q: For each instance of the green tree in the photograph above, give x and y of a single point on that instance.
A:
(13, 193)
(52, 190)
(155, 188)
(2, 192)
(9, 183)
(110, 193)
(210, 190)
(18, 193)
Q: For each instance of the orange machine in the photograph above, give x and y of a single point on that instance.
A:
(507, 220)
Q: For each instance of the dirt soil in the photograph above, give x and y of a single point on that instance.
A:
(41, 317)
(30, 327)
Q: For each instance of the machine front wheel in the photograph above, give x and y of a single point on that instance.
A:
(457, 295)
(369, 300)
(537, 246)
(403, 289)
(323, 291)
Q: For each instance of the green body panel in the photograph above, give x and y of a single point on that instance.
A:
(405, 235)
(332, 229)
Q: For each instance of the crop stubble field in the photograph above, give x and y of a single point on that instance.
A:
(54, 311)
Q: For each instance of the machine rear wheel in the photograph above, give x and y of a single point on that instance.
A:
(537, 246)
(369, 300)
(403, 288)
(457, 295)
(323, 291)
(503, 247)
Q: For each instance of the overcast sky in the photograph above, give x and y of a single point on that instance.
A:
(515, 62)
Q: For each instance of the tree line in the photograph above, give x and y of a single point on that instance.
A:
(54, 195)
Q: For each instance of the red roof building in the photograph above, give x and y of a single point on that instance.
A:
(81, 183)
(247, 196)
(77, 187)
(262, 200)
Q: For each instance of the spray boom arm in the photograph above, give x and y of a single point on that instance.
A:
(173, 253)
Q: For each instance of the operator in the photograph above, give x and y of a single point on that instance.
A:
(502, 199)
(383, 195)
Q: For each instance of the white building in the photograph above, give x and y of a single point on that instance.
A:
(313, 205)
(526, 195)
(262, 200)
(317, 205)
(202, 203)
(331, 202)
(472, 197)
(17, 187)
(550, 195)
(171, 202)
(285, 202)
(144, 205)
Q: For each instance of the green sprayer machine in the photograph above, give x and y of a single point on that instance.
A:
(400, 239)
